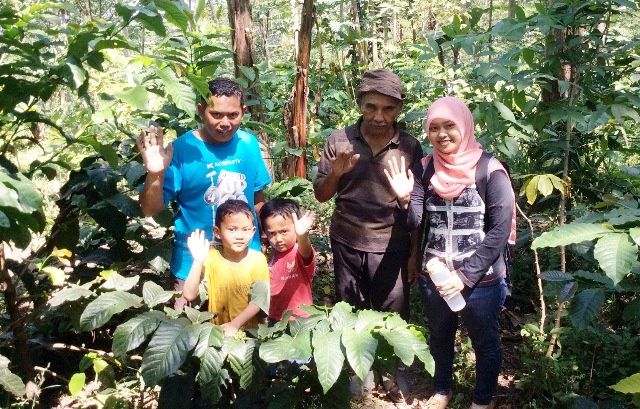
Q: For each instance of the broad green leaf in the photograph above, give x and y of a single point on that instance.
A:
(211, 363)
(137, 97)
(134, 332)
(304, 324)
(168, 350)
(368, 319)
(421, 350)
(616, 254)
(76, 383)
(248, 72)
(182, 95)
(505, 112)
(341, 314)
(100, 365)
(117, 282)
(360, 350)
(595, 277)
(634, 233)
(153, 294)
(630, 384)
(240, 357)
(620, 111)
(74, 74)
(568, 291)
(328, 357)
(200, 84)
(72, 293)
(555, 275)
(55, 274)
(402, 340)
(277, 349)
(11, 382)
(152, 21)
(545, 186)
(585, 306)
(9, 198)
(24, 192)
(569, 234)
(531, 189)
(176, 13)
(100, 310)
(210, 336)
(196, 316)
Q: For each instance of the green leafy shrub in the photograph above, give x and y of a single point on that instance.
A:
(329, 343)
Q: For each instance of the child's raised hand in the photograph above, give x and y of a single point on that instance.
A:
(198, 245)
(304, 223)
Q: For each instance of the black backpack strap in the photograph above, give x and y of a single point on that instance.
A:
(482, 174)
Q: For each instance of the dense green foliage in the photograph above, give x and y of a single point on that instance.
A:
(553, 90)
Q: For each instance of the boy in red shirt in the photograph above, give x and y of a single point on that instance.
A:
(293, 264)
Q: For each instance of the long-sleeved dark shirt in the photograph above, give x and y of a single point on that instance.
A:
(467, 234)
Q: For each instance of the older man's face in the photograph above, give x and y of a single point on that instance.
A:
(379, 112)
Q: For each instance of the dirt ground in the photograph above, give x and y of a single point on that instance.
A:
(420, 388)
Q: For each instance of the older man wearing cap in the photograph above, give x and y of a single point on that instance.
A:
(370, 246)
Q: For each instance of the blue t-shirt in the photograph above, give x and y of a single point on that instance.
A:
(200, 177)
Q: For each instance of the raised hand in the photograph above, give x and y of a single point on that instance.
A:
(155, 158)
(400, 179)
(304, 223)
(198, 245)
(344, 161)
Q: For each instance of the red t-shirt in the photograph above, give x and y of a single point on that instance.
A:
(290, 280)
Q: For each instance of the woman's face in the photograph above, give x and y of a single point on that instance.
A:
(444, 135)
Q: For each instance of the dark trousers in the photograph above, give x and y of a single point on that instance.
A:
(481, 316)
(375, 281)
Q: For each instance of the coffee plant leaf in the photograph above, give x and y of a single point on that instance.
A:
(99, 311)
(153, 294)
(134, 332)
(360, 350)
(168, 349)
(328, 356)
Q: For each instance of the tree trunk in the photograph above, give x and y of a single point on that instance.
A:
(512, 9)
(22, 358)
(359, 49)
(264, 33)
(244, 56)
(297, 116)
(241, 37)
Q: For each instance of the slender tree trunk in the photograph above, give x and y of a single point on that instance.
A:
(360, 47)
(12, 305)
(242, 42)
(264, 33)
(512, 9)
(297, 132)
(242, 38)
(566, 73)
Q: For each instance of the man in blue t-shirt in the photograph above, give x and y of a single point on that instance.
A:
(201, 170)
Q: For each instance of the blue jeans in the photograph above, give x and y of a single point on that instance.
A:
(481, 316)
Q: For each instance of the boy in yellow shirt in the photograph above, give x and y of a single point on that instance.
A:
(230, 271)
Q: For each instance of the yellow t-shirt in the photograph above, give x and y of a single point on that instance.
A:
(229, 284)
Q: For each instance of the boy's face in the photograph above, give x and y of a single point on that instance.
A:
(280, 232)
(222, 118)
(235, 232)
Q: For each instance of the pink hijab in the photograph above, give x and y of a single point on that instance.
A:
(457, 170)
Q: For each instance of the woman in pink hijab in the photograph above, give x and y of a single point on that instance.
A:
(468, 233)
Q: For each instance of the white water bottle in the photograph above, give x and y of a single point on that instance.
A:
(440, 275)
